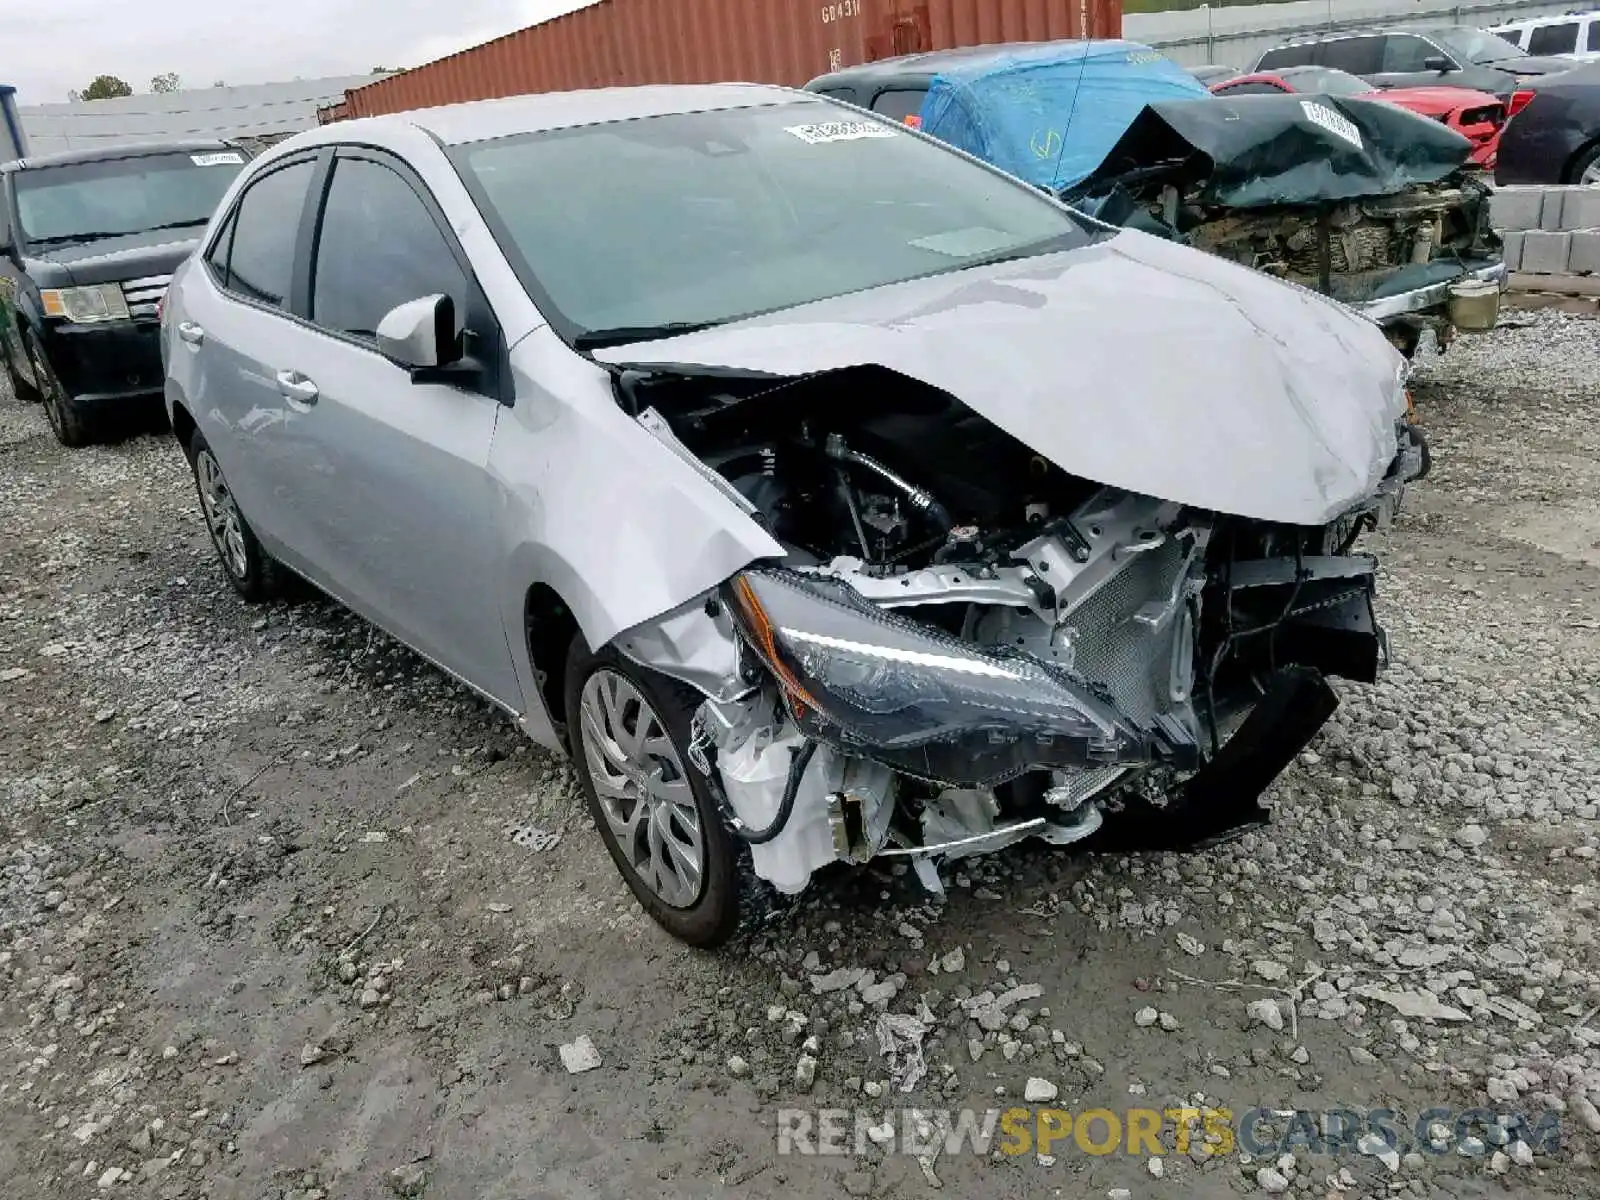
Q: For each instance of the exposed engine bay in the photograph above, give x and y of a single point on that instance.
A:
(1356, 251)
(1352, 250)
(966, 645)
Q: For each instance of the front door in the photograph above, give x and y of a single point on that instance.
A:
(393, 474)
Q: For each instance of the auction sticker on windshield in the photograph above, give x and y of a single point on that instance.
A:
(840, 131)
(221, 158)
(1339, 126)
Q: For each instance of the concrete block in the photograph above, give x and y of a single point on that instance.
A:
(1545, 252)
(1550, 213)
(1583, 256)
(1580, 208)
(1516, 208)
(1512, 249)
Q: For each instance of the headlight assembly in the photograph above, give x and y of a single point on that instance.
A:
(86, 305)
(915, 698)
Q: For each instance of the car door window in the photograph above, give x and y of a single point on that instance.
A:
(1594, 34)
(261, 242)
(1287, 56)
(1358, 55)
(846, 94)
(217, 257)
(1249, 89)
(900, 103)
(1404, 54)
(378, 248)
(1554, 39)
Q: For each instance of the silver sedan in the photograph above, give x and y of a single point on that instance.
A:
(825, 493)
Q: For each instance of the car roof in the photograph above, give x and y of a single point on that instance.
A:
(1313, 38)
(1548, 19)
(922, 67)
(67, 158)
(483, 120)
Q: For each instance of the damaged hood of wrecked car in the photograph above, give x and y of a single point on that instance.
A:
(1133, 362)
(1254, 151)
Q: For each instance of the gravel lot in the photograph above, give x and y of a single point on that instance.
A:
(266, 933)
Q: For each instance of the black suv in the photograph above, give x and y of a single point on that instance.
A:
(1452, 56)
(88, 242)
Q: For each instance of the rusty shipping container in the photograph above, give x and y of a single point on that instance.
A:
(620, 42)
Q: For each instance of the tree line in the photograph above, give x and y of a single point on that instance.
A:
(108, 87)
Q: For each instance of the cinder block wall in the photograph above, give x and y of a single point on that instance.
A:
(1549, 230)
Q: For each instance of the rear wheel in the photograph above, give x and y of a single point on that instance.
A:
(254, 573)
(630, 732)
(68, 420)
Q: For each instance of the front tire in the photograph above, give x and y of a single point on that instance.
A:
(254, 573)
(630, 732)
(68, 420)
(20, 388)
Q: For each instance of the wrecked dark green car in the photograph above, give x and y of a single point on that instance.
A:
(1360, 200)
(1357, 199)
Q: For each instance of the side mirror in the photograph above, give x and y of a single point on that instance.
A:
(421, 334)
(1439, 63)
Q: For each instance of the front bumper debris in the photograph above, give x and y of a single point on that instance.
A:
(1435, 295)
(1221, 801)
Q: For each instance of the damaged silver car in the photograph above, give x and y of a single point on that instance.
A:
(827, 494)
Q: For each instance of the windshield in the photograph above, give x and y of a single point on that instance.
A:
(1327, 81)
(1478, 46)
(83, 202)
(695, 219)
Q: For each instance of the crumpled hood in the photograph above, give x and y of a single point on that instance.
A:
(1132, 362)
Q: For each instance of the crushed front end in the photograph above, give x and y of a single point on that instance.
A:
(966, 646)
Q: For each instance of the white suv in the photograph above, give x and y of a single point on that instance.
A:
(1573, 35)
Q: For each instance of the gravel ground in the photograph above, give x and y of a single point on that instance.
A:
(275, 922)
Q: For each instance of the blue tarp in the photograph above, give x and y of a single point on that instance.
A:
(1049, 115)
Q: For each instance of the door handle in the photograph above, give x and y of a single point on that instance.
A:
(191, 333)
(296, 387)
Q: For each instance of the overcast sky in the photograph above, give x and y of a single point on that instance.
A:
(54, 47)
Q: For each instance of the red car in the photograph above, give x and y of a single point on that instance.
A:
(1476, 116)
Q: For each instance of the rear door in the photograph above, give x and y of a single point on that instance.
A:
(231, 320)
(1301, 54)
(394, 472)
(1363, 56)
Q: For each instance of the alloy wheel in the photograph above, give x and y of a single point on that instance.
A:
(222, 515)
(643, 788)
(1591, 174)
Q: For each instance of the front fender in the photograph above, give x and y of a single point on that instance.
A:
(599, 510)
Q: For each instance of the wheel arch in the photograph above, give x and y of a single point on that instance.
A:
(183, 426)
(1569, 173)
(548, 629)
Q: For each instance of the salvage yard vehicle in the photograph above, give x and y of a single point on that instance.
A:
(1574, 35)
(827, 494)
(1360, 200)
(1476, 116)
(88, 241)
(1451, 56)
(1554, 132)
